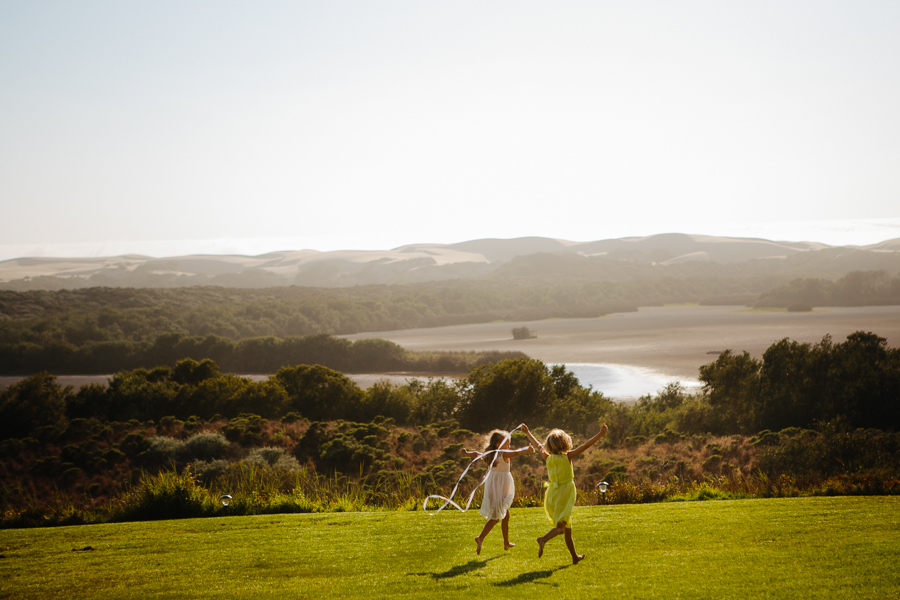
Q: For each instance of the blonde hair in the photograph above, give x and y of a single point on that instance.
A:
(558, 442)
(494, 439)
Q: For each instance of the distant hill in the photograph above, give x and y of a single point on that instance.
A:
(531, 260)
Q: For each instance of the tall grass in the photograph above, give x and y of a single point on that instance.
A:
(257, 489)
(415, 463)
(167, 495)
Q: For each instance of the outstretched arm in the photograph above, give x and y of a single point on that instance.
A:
(471, 453)
(534, 443)
(518, 452)
(589, 443)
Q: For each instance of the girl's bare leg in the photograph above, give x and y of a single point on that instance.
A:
(560, 528)
(504, 527)
(570, 544)
(487, 529)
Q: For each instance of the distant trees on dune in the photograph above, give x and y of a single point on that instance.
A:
(250, 355)
(105, 316)
(103, 330)
(859, 288)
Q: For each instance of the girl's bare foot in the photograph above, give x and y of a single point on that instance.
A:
(478, 541)
(508, 545)
(577, 559)
(541, 541)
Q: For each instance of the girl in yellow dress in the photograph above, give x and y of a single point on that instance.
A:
(559, 498)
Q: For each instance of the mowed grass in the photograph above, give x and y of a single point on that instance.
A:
(773, 548)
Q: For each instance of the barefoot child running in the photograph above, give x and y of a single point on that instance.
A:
(560, 496)
(499, 488)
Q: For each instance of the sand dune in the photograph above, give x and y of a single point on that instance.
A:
(406, 264)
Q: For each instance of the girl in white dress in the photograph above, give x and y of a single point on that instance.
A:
(499, 489)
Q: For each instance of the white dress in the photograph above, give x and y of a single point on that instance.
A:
(499, 490)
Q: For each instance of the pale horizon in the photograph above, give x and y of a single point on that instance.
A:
(857, 232)
(167, 129)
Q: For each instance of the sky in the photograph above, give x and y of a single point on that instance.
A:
(168, 128)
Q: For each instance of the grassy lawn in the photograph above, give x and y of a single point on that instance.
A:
(780, 548)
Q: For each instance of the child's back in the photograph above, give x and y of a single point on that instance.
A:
(560, 497)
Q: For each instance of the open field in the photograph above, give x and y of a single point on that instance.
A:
(778, 548)
(673, 340)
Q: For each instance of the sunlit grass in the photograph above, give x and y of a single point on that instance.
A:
(774, 548)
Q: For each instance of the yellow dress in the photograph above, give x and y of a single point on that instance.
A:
(559, 499)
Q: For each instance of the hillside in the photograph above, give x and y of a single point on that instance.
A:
(533, 260)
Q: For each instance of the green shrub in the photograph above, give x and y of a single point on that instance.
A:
(291, 417)
(245, 429)
(162, 450)
(207, 446)
(668, 437)
(134, 444)
(209, 471)
(765, 438)
(617, 473)
(168, 495)
(712, 464)
(273, 457)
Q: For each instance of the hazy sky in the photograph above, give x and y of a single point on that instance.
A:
(367, 124)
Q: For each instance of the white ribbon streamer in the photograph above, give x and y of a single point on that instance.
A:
(449, 500)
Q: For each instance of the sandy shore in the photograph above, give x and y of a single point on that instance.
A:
(675, 340)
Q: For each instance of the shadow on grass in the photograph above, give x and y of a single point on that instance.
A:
(532, 577)
(472, 565)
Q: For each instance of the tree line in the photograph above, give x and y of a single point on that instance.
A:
(853, 384)
(249, 355)
(103, 330)
(107, 329)
(492, 394)
(799, 385)
(78, 317)
(859, 288)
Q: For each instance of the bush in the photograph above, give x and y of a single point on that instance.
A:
(245, 429)
(169, 495)
(212, 470)
(163, 450)
(207, 446)
(522, 333)
(712, 464)
(34, 402)
(273, 457)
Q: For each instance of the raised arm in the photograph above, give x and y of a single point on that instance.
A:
(534, 443)
(589, 443)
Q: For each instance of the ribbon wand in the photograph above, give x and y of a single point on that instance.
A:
(449, 501)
